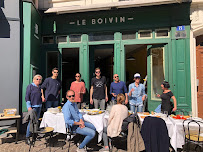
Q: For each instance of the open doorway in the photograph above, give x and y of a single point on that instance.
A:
(102, 56)
(136, 62)
(70, 66)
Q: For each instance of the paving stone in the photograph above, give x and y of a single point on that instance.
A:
(57, 143)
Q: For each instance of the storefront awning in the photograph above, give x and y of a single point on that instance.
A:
(108, 6)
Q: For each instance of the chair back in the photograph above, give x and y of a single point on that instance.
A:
(192, 128)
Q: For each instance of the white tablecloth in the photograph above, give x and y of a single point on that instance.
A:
(175, 131)
(57, 122)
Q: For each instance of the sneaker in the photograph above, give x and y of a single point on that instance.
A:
(81, 150)
(104, 149)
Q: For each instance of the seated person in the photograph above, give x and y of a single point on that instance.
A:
(74, 119)
(118, 113)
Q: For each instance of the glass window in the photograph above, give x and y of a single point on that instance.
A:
(145, 34)
(162, 33)
(128, 35)
(101, 36)
(48, 40)
(61, 39)
(75, 38)
(157, 71)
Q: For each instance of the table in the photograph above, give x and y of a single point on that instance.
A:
(57, 122)
(175, 131)
(13, 129)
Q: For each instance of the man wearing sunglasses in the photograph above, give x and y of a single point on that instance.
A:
(52, 87)
(98, 91)
(116, 88)
(73, 118)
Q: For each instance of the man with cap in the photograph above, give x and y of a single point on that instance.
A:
(136, 94)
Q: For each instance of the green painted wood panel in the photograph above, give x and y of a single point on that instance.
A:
(27, 51)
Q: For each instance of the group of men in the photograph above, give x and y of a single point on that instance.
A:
(98, 91)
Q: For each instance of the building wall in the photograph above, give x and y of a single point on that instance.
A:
(154, 17)
(196, 12)
(32, 45)
(10, 54)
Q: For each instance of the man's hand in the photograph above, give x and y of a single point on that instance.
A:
(29, 108)
(81, 123)
(158, 95)
(143, 98)
(43, 99)
(106, 98)
(113, 94)
(91, 101)
(132, 90)
(126, 101)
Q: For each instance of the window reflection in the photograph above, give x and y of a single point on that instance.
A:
(157, 71)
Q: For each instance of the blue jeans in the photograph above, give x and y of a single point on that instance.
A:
(89, 131)
(50, 104)
(136, 108)
(38, 111)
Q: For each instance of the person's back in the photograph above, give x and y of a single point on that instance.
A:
(118, 113)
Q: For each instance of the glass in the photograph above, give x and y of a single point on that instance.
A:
(101, 36)
(190, 113)
(166, 113)
(145, 34)
(128, 35)
(162, 33)
(61, 39)
(83, 105)
(75, 38)
(157, 71)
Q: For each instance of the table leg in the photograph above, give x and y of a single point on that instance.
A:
(18, 127)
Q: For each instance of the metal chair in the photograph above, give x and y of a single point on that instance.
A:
(69, 133)
(46, 131)
(192, 130)
(121, 137)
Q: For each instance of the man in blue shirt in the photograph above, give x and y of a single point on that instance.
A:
(52, 87)
(74, 119)
(118, 87)
(136, 94)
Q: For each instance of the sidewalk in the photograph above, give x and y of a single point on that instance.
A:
(57, 142)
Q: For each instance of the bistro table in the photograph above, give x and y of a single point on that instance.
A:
(175, 130)
(57, 122)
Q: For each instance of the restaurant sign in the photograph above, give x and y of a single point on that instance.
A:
(100, 21)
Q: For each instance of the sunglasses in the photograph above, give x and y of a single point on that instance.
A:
(77, 76)
(116, 77)
(71, 96)
(39, 79)
(56, 72)
(97, 72)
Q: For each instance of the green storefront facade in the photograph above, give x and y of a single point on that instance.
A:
(89, 30)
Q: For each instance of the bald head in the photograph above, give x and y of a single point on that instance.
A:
(70, 95)
(116, 78)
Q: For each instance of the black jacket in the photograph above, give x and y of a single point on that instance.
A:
(32, 118)
(155, 135)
